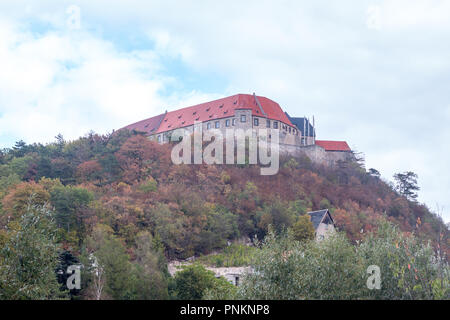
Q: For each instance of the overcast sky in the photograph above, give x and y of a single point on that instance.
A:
(373, 73)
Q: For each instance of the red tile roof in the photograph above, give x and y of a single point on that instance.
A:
(222, 108)
(149, 125)
(333, 145)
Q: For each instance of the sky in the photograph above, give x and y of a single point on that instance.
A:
(373, 73)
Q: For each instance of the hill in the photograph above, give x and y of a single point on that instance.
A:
(120, 196)
(128, 183)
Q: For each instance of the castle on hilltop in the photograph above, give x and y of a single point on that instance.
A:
(297, 135)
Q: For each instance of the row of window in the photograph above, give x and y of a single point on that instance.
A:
(243, 118)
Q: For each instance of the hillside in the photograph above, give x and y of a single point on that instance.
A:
(120, 191)
(131, 185)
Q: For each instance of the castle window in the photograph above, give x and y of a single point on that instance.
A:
(159, 138)
(243, 118)
(268, 124)
(256, 121)
(289, 129)
(208, 126)
(275, 125)
(217, 124)
(233, 122)
(227, 123)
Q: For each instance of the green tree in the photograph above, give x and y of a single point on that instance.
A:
(30, 257)
(406, 184)
(109, 255)
(286, 269)
(71, 206)
(303, 229)
(194, 280)
(150, 269)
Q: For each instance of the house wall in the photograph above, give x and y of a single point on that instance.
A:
(324, 230)
(286, 137)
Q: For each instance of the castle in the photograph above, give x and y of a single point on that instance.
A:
(297, 135)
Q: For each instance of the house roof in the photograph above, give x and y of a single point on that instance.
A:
(333, 145)
(149, 125)
(299, 122)
(223, 108)
(318, 216)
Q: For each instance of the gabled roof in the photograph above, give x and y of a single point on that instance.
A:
(223, 108)
(301, 122)
(150, 125)
(333, 145)
(318, 216)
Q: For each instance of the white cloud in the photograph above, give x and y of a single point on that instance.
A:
(73, 82)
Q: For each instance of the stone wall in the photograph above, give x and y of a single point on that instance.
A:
(316, 153)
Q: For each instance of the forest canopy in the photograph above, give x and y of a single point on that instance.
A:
(118, 198)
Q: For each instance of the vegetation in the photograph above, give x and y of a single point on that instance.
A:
(194, 282)
(336, 269)
(117, 205)
(235, 255)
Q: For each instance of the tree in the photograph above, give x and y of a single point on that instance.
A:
(194, 280)
(374, 173)
(285, 269)
(113, 261)
(20, 148)
(21, 197)
(277, 214)
(150, 269)
(406, 184)
(303, 229)
(71, 204)
(30, 257)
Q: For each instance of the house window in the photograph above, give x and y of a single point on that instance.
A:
(208, 126)
(233, 122)
(227, 123)
(268, 124)
(256, 121)
(275, 125)
(243, 118)
(217, 124)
